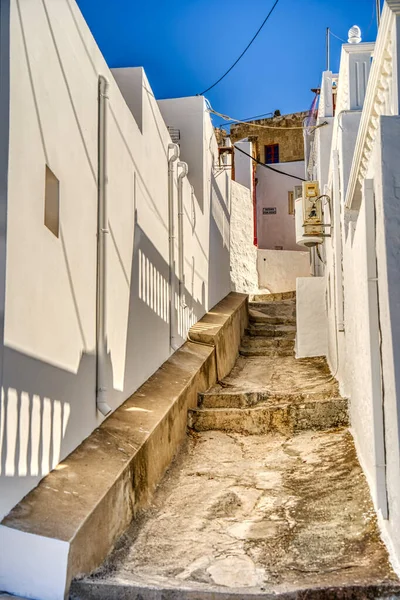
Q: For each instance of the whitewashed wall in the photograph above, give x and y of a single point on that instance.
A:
(279, 269)
(244, 164)
(272, 192)
(362, 271)
(211, 184)
(244, 275)
(49, 376)
(311, 318)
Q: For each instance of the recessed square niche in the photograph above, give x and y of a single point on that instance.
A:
(52, 202)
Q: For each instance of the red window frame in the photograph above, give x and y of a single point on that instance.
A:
(271, 154)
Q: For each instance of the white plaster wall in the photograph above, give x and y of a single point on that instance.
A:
(244, 165)
(211, 184)
(187, 116)
(272, 191)
(348, 124)
(311, 320)
(383, 169)
(279, 269)
(354, 355)
(323, 136)
(244, 276)
(48, 400)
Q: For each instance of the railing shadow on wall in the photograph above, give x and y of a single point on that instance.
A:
(38, 398)
(48, 409)
(36, 415)
(149, 301)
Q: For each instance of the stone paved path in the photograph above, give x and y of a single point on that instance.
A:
(266, 500)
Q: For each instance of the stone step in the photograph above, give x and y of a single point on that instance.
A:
(262, 341)
(246, 399)
(256, 316)
(271, 331)
(286, 418)
(272, 297)
(286, 308)
(132, 588)
(271, 351)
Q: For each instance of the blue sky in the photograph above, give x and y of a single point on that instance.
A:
(185, 45)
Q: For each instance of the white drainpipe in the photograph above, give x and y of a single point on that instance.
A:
(181, 261)
(171, 231)
(102, 239)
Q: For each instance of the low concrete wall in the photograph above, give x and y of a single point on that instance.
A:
(68, 524)
(311, 317)
(223, 327)
(279, 269)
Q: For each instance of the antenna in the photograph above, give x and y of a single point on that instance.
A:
(378, 12)
(328, 48)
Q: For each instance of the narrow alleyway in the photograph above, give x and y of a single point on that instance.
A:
(266, 497)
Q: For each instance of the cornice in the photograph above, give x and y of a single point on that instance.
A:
(358, 48)
(375, 97)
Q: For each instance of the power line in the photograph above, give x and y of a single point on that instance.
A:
(268, 166)
(337, 37)
(247, 119)
(214, 112)
(243, 53)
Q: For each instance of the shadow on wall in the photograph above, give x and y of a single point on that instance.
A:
(218, 262)
(48, 409)
(149, 301)
(36, 417)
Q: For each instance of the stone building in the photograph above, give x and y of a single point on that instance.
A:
(278, 143)
(273, 131)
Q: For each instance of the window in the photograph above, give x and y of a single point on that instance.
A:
(291, 203)
(52, 202)
(271, 154)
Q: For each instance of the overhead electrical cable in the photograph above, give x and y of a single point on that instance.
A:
(243, 53)
(268, 166)
(226, 118)
(248, 119)
(337, 37)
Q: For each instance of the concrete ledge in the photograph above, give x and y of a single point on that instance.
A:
(67, 525)
(223, 327)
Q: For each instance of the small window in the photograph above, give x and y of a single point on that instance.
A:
(290, 203)
(271, 154)
(52, 202)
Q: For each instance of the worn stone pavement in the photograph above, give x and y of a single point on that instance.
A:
(257, 507)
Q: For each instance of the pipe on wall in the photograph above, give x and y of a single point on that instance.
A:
(102, 239)
(181, 258)
(171, 232)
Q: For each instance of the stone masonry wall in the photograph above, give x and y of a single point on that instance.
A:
(291, 144)
(244, 276)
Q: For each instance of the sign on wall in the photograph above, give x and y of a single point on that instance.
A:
(269, 211)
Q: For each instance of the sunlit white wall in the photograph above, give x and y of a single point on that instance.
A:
(49, 377)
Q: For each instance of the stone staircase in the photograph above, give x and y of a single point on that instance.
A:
(282, 514)
(286, 395)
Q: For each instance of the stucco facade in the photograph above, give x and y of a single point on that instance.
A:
(283, 136)
(356, 163)
(275, 221)
(49, 364)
